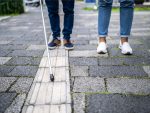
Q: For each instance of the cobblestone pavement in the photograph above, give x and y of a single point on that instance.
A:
(21, 48)
(111, 83)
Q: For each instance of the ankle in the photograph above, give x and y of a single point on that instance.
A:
(124, 39)
(102, 39)
(66, 41)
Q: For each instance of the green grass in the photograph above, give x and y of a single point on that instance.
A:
(88, 8)
(117, 9)
(9, 14)
(136, 9)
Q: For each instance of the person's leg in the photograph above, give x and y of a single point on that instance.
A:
(53, 6)
(104, 14)
(68, 8)
(126, 18)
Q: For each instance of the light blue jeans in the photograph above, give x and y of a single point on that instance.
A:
(126, 17)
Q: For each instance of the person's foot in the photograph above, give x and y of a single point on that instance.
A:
(102, 46)
(125, 48)
(68, 45)
(54, 43)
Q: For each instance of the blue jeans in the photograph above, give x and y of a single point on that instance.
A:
(126, 17)
(53, 10)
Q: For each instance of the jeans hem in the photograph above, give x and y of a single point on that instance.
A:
(124, 36)
(103, 36)
(68, 38)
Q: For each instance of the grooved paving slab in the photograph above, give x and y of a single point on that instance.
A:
(115, 103)
(47, 96)
(117, 71)
(63, 108)
(124, 85)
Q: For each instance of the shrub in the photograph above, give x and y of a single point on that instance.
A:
(139, 2)
(11, 7)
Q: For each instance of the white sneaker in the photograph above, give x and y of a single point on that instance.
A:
(102, 48)
(126, 48)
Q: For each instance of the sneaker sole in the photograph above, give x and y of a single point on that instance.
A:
(71, 48)
(51, 48)
(126, 53)
(101, 52)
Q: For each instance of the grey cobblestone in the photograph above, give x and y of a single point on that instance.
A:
(17, 36)
(5, 70)
(87, 53)
(110, 61)
(22, 85)
(89, 84)
(83, 42)
(117, 71)
(5, 83)
(3, 53)
(79, 102)
(17, 104)
(101, 103)
(26, 53)
(83, 61)
(5, 100)
(79, 71)
(36, 47)
(24, 71)
(121, 74)
(147, 69)
(3, 60)
(85, 47)
(123, 85)
(24, 61)
(115, 52)
(13, 47)
(131, 61)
